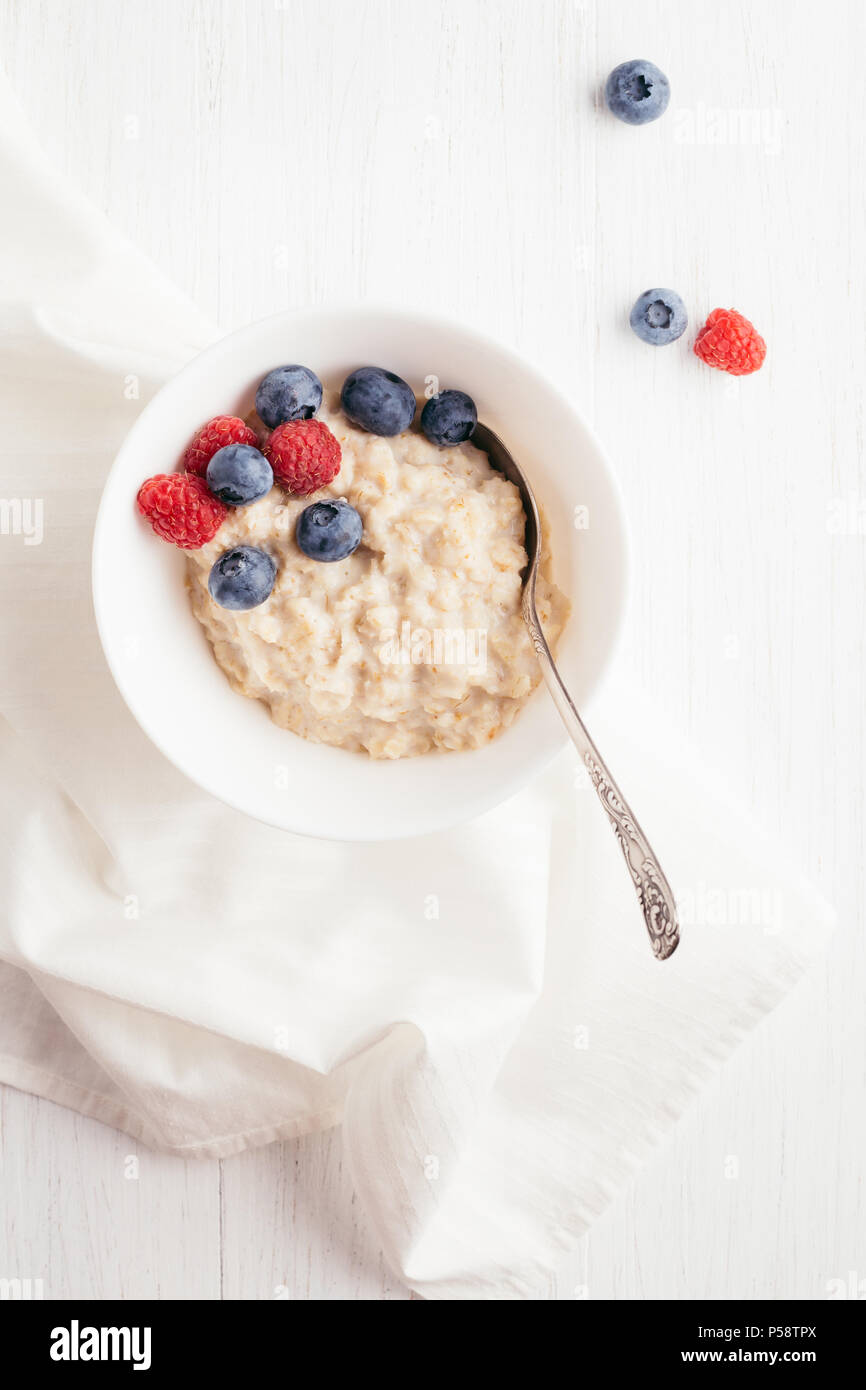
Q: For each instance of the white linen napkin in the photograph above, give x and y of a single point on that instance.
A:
(479, 1007)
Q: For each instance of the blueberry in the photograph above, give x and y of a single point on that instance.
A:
(449, 418)
(329, 530)
(239, 474)
(637, 92)
(242, 578)
(659, 317)
(378, 401)
(288, 393)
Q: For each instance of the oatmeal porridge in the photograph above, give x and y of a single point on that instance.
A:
(414, 641)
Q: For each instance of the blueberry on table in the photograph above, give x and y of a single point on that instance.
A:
(288, 393)
(329, 530)
(659, 317)
(637, 92)
(242, 578)
(449, 418)
(239, 474)
(378, 401)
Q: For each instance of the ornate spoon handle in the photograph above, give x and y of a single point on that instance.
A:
(653, 890)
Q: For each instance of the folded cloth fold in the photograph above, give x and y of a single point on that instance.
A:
(480, 1007)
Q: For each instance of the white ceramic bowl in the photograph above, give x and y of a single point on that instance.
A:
(163, 664)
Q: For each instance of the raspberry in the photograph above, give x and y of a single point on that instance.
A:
(304, 455)
(728, 341)
(216, 434)
(180, 509)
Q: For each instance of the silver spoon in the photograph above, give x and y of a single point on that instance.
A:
(652, 888)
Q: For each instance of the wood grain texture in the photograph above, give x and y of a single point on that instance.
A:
(454, 157)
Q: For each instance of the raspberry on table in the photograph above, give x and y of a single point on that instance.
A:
(215, 435)
(181, 509)
(304, 455)
(731, 343)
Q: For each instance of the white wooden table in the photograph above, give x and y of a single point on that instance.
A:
(450, 156)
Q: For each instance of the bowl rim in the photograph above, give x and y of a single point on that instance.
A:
(406, 317)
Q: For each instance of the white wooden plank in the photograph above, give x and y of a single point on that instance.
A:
(92, 1214)
(292, 1228)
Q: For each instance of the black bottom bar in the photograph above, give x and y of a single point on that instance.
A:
(69, 1338)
